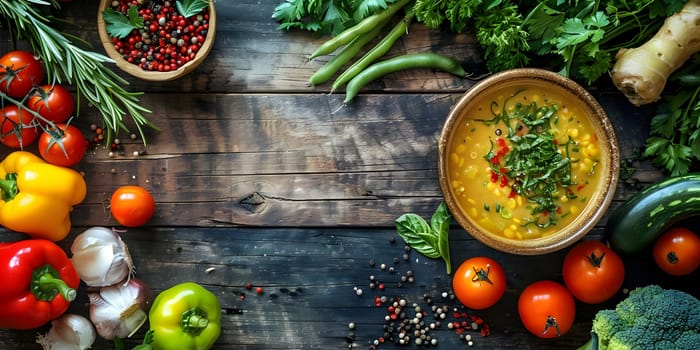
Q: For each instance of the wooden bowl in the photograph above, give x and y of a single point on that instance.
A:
(137, 71)
(470, 177)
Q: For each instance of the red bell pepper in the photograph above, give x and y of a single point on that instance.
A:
(39, 282)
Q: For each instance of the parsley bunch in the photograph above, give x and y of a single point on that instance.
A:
(674, 137)
(577, 38)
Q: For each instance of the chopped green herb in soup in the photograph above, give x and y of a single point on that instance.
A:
(524, 163)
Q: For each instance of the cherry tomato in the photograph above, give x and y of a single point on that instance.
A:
(593, 272)
(677, 251)
(64, 145)
(132, 206)
(18, 127)
(53, 102)
(19, 72)
(547, 309)
(479, 282)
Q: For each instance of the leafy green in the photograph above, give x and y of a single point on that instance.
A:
(502, 34)
(189, 8)
(431, 240)
(578, 38)
(120, 25)
(674, 136)
(325, 16)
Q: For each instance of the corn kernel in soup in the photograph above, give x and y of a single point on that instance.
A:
(523, 163)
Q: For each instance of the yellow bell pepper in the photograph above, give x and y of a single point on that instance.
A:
(37, 197)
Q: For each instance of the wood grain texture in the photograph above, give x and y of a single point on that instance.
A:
(309, 278)
(273, 182)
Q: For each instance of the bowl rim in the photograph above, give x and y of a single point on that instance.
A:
(594, 210)
(135, 70)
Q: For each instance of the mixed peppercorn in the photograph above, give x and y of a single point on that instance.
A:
(412, 323)
(166, 39)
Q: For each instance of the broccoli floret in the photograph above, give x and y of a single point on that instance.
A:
(649, 318)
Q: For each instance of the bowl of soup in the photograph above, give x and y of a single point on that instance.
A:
(528, 161)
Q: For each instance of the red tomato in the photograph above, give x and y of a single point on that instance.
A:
(132, 206)
(677, 251)
(18, 127)
(547, 309)
(64, 145)
(593, 272)
(19, 72)
(54, 103)
(479, 282)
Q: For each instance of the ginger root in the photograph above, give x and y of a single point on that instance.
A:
(641, 73)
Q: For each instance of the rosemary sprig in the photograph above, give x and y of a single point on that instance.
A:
(70, 64)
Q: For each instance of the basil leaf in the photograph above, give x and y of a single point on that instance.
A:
(409, 226)
(441, 225)
(429, 246)
(431, 240)
(440, 222)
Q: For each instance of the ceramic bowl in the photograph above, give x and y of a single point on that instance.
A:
(140, 73)
(472, 108)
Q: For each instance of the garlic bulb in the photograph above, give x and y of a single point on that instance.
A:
(120, 310)
(100, 257)
(68, 332)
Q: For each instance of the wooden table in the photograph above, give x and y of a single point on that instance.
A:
(262, 179)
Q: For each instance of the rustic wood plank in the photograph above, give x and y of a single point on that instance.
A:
(309, 163)
(309, 275)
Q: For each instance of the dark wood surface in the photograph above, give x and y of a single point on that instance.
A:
(272, 182)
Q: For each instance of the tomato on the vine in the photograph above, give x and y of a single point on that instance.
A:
(677, 251)
(547, 309)
(17, 127)
(20, 71)
(479, 282)
(593, 272)
(65, 145)
(53, 102)
(132, 206)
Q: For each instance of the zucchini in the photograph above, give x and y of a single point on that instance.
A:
(642, 218)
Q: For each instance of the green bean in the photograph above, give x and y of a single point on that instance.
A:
(403, 62)
(363, 26)
(689, 79)
(324, 73)
(377, 51)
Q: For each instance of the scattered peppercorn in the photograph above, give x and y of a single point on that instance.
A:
(412, 323)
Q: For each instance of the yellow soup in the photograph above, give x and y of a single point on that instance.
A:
(523, 162)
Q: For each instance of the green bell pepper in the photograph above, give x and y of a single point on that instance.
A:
(184, 317)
